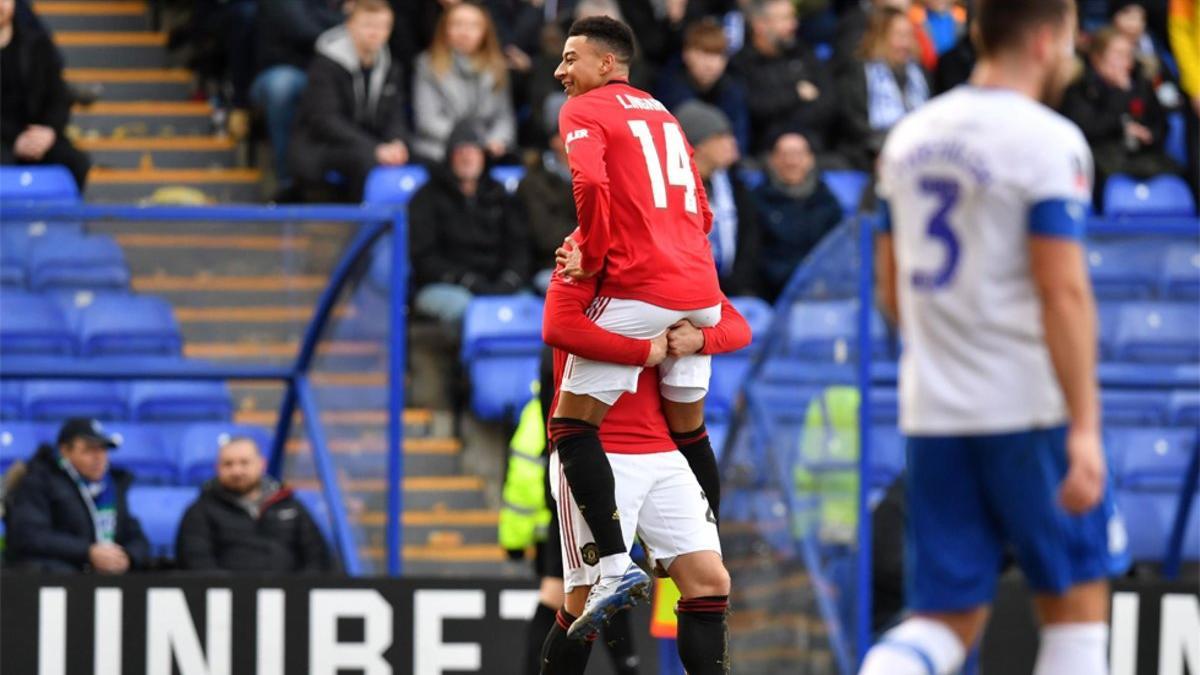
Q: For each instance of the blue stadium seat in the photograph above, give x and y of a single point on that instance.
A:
(1150, 459)
(182, 401)
(1176, 141)
(885, 406)
(751, 178)
(19, 440)
(501, 346)
(729, 370)
(1181, 272)
(887, 455)
(1109, 320)
(144, 452)
(508, 175)
(159, 510)
(1165, 195)
(12, 400)
(121, 325)
(56, 400)
(1123, 269)
(315, 503)
(37, 183)
(33, 324)
(1149, 517)
(1159, 332)
(827, 331)
(848, 187)
(718, 433)
(199, 444)
(77, 262)
(1126, 408)
(1185, 409)
(394, 184)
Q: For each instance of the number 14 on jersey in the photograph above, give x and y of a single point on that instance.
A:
(678, 166)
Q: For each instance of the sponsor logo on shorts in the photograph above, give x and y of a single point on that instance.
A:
(591, 554)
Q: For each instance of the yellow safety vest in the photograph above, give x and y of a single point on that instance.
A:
(524, 516)
(663, 622)
(828, 469)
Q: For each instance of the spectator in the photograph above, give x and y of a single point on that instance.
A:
(34, 103)
(785, 83)
(796, 210)
(352, 114)
(1183, 26)
(942, 21)
(700, 75)
(545, 195)
(468, 235)
(852, 27)
(734, 234)
(287, 32)
(1118, 112)
(885, 85)
(245, 521)
(223, 33)
(463, 76)
(955, 66)
(69, 513)
(1129, 19)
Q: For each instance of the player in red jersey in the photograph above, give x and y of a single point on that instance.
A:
(644, 222)
(658, 495)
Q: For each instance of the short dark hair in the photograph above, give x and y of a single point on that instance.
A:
(1004, 24)
(614, 35)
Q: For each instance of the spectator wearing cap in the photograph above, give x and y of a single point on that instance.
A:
(69, 512)
(245, 521)
(796, 210)
(467, 235)
(545, 195)
(734, 234)
(353, 113)
(701, 75)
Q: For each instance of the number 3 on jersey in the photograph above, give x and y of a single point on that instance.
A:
(946, 192)
(679, 166)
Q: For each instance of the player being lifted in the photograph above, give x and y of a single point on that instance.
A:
(981, 262)
(644, 219)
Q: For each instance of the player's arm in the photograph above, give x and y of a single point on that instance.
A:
(729, 335)
(885, 267)
(584, 139)
(565, 326)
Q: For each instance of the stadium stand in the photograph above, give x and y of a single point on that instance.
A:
(160, 508)
(501, 349)
(1159, 196)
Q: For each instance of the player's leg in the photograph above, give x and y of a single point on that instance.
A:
(617, 637)
(550, 597)
(1074, 630)
(703, 612)
(686, 422)
(562, 655)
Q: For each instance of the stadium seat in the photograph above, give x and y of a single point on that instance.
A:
(120, 325)
(729, 370)
(885, 406)
(887, 455)
(1125, 408)
(19, 440)
(1123, 269)
(751, 178)
(315, 503)
(182, 401)
(199, 444)
(1185, 409)
(159, 510)
(501, 346)
(33, 324)
(37, 183)
(394, 184)
(1149, 517)
(1181, 272)
(12, 400)
(827, 331)
(1150, 459)
(848, 187)
(144, 452)
(1108, 316)
(56, 400)
(1176, 141)
(77, 262)
(509, 176)
(718, 433)
(1165, 195)
(1159, 332)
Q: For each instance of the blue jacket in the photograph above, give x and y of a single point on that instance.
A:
(674, 88)
(790, 228)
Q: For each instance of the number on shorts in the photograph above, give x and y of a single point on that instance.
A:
(679, 165)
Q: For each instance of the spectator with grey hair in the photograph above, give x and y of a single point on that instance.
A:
(546, 195)
(246, 521)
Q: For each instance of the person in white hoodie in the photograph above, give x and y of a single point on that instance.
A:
(352, 115)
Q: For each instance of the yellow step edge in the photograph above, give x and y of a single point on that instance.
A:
(241, 242)
(148, 75)
(264, 418)
(68, 8)
(108, 176)
(412, 446)
(230, 284)
(287, 349)
(436, 518)
(469, 553)
(413, 483)
(85, 38)
(252, 314)
(151, 143)
(146, 108)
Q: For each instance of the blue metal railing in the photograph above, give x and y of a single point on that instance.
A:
(373, 222)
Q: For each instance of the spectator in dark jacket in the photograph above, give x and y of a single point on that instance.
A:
(955, 66)
(34, 102)
(734, 234)
(468, 236)
(70, 513)
(795, 208)
(287, 32)
(352, 114)
(245, 521)
(701, 75)
(785, 83)
(546, 197)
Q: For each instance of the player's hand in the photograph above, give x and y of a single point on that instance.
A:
(684, 339)
(569, 261)
(658, 350)
(1083, 486)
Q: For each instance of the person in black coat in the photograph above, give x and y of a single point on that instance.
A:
(69, 512)
(353, 113)
(35, 104)
(245, 521)
(467, 235)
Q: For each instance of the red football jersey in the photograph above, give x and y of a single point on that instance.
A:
(639, 199)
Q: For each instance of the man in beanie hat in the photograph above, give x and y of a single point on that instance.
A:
(69, 513)
(545, 193)
(468, 235)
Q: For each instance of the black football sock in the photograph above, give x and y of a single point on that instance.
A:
(590, 478)
(698, 452)
(704, 635)
(618, 638)
(562, 655)
(535, 636)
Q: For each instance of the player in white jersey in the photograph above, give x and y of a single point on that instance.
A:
(980, 261)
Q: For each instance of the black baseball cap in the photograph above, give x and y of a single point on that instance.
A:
(88, 429)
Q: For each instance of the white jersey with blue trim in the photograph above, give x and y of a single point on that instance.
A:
(965, 182)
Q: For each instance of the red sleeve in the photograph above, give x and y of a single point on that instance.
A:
(730, 335)
(583, 137)
(565, 326)
(701, 194)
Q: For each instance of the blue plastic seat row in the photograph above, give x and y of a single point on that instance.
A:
(88, 324)
(144, 401)
(61, 258)
(1142, 269)
(1166, 195)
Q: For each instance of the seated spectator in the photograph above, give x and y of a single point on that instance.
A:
(734, 234)
(222, 34)
(1118, 112)
(245, 521)
(853, 24)
(884, 86)
(955, 66)
(700, 75)
(795, 210)
(69, 513)
(352, 114)
(943, 22)
(287, 32)
(546, 196)
(468, 236)
(463, 76)
(785, 83)
(1129, 19)
(34, 102)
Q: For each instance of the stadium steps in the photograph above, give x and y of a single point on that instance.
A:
(129, 84)
(120, 49)
(218, 184)
(122, 16)
(167, 152)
